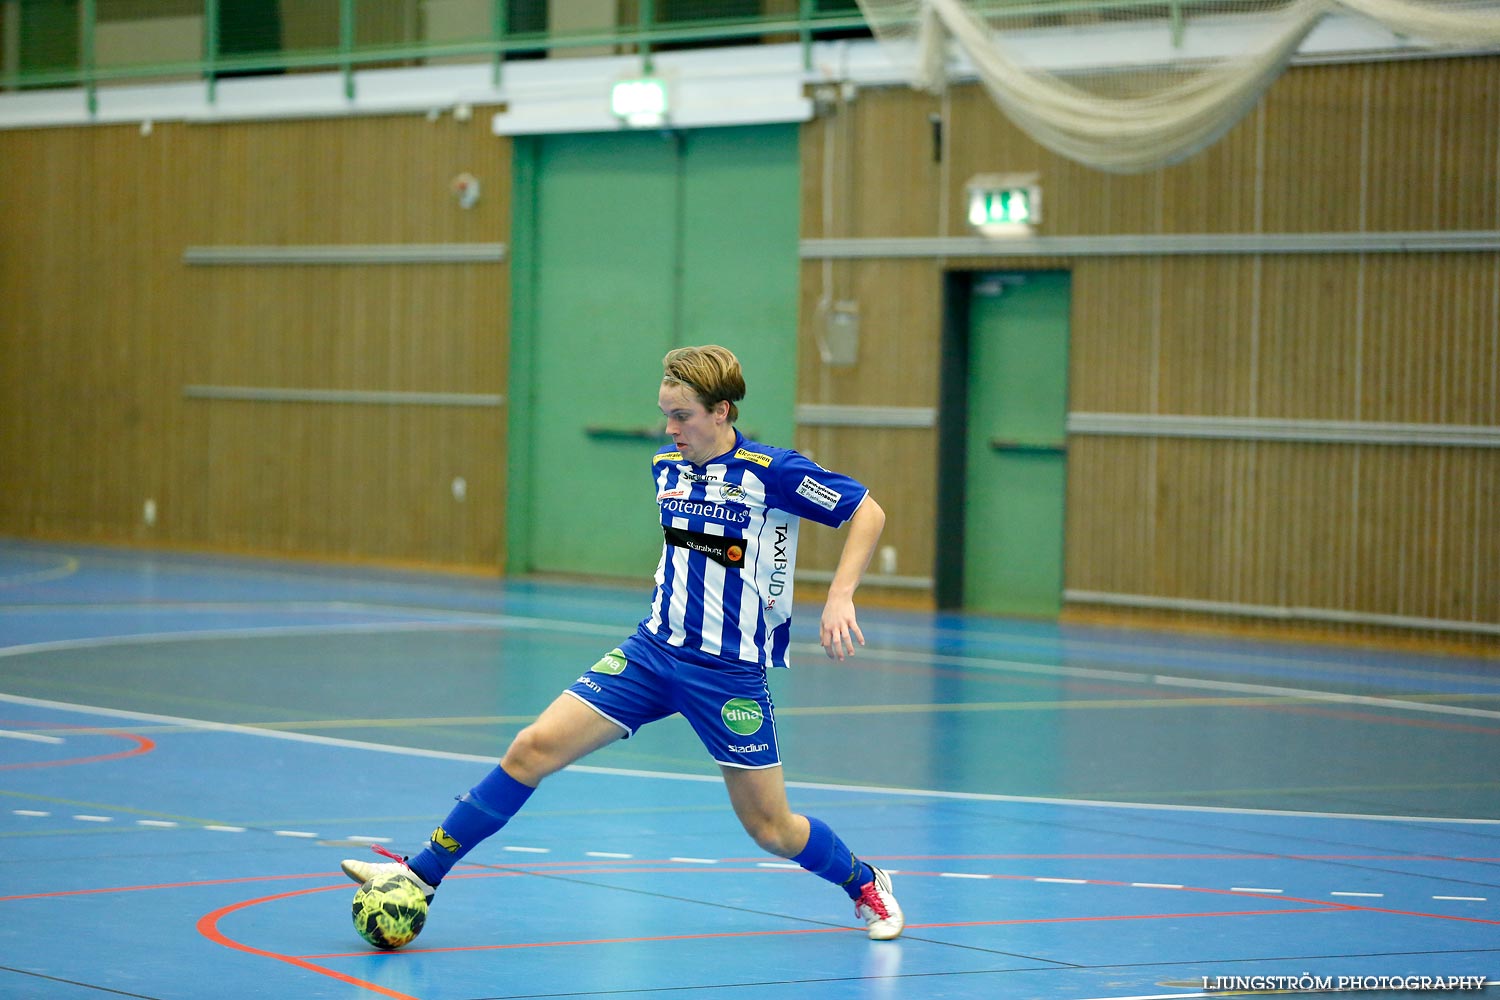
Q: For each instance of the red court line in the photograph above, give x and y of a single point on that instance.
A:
(142, 745)
(163, 885)
(1154, 857)
(208, 926)
(835, 930)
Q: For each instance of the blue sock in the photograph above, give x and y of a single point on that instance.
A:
(826, 857)
(486, 808)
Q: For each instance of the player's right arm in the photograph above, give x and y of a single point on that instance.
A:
(839, 628)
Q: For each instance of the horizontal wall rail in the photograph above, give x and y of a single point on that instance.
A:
(1332, 615)
(833, 415)
(1271, 429)
(1147, 244)
(258, 394)
(349, 253)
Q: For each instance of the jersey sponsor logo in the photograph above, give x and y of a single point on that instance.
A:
(753, 456)
(818, 493)
(742, 715)
(612, 662)
(667, 456)
(732, 514)
(725, 551)
(675, 494)
(779, 565)
(441, 838)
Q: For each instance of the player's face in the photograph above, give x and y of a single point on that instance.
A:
(699, 433)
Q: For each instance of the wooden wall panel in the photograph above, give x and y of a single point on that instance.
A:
(1209, 341)
(900, 468)
(1383, 337)
(1430, 340)
(877, 155)
(1113, 342)
(895, 367)
(1306, 338)
(1111, 519)
(1431, 157)
(107, 324)
(1312, 155)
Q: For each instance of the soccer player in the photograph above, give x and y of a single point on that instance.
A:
(720, 616)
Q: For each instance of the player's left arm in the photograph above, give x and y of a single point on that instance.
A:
(839, 629)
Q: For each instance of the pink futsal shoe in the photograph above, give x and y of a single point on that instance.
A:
(363, 871)
(878, 908)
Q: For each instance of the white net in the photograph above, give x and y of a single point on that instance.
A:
(1154, 100)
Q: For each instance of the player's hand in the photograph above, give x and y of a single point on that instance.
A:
(839, 630)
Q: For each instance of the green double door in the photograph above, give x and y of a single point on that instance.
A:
(1015, 451)
(625, 245)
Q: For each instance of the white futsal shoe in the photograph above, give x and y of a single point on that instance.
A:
(878, 908)
(363, 871)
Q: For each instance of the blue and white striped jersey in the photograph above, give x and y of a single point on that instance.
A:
(724, 583)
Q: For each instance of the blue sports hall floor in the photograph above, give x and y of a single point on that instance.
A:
(190, 744)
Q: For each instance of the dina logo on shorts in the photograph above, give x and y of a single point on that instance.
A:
(612, 663)
(742, 716)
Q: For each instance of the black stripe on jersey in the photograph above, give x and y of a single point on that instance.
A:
(725, 551)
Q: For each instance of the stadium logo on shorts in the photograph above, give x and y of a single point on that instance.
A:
(742, 716)
(612, 663)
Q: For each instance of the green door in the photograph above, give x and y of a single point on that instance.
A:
(626, 245)
(1016, 459)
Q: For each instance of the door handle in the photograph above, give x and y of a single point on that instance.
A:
(1013, 446)
(626, 433)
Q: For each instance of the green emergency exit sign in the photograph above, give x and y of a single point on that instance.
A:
(1004, 204)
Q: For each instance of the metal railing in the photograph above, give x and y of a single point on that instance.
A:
(57, 43)
(62, 43)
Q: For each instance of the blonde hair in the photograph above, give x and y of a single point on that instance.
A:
(712, 372)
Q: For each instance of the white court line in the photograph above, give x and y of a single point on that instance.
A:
(471, 620)
(1308, 694)
(8, 734)
(263, 632)
(488, 759)
(1070, 643)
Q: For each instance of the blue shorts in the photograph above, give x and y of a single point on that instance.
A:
(728, 704)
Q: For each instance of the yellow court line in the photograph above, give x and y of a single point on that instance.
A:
(1039, 706)
(1097, 704)
(521, 720)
